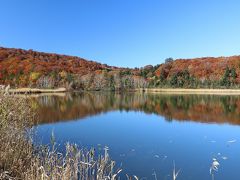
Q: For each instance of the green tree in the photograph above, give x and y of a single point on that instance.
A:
(174, 80)
(168, 60)
(181, 79)
(111, 83)
(70, 77)
(233, 73)
(226, 80)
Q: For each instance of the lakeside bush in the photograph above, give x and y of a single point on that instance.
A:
(15, 149)
(20, 159)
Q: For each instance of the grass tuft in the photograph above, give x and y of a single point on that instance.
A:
(19, 159)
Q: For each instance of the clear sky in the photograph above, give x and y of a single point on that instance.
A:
(125, 33)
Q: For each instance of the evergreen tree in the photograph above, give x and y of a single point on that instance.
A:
(174, 80)
(225, 80)
(233, 73)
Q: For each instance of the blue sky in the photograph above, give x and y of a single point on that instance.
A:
(129, 33)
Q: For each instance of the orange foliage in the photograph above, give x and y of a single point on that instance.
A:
(207, 68)
(16, 66)
(13, 60)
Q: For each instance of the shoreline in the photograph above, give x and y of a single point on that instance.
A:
(36, 90)
(144, 90)
(191, 91)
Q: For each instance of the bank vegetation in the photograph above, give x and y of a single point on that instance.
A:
(20, 158)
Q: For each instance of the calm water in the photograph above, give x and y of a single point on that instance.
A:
(146, 133)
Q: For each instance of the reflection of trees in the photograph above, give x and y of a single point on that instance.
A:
(229, 104)
(200, 108)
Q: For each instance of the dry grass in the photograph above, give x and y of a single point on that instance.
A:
(36, 90)
(192, 91)
(76, 164)
(19, 159)
(15, 148)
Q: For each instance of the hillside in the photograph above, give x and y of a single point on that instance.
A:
(28, 68)
(203, 69)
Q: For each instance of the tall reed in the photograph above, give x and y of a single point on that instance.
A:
(20, 159)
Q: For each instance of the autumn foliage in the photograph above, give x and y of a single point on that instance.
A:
(24, 64)
(28, 68)
(208, 68)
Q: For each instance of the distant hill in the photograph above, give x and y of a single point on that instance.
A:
(207, 68)
(28, 68)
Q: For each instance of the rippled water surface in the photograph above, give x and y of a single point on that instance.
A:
(147, 133)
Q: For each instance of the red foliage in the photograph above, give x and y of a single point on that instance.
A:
(208, 67)
(18, 64)
(14, 60)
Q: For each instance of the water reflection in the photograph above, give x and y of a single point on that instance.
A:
(141, 142)
(199, 108)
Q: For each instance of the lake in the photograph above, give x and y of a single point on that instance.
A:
(147, 133)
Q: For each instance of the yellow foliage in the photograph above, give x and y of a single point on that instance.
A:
(34, 76)
(63, 74)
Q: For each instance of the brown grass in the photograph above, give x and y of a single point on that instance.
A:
(192, 91)
(36, 90)
(19, 159)
(15, 148)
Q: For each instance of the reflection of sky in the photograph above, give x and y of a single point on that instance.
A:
(144, 143)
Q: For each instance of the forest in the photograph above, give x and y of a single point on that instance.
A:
(28, 68)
